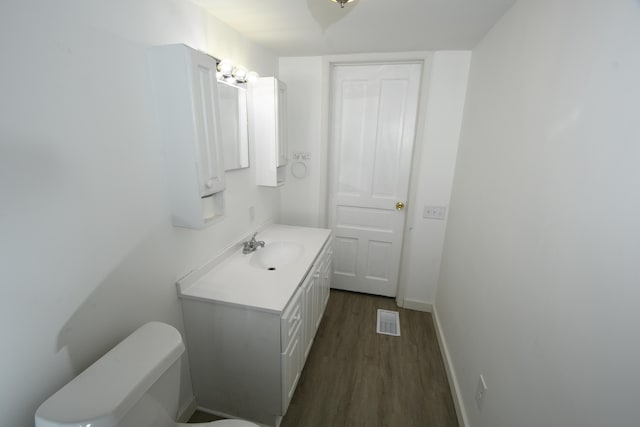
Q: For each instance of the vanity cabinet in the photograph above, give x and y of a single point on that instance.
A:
(186, 98)
(246, 360)
(269, 103)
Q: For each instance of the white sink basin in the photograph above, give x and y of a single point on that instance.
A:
(276, 255)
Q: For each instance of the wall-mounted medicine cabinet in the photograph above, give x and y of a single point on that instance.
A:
(234, 125)
(269, 102)
(186, 97)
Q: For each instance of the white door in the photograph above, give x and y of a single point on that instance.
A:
(373, 127)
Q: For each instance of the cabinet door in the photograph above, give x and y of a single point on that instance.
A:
(317, 298)
(269, 123)
(291, 368)
(309, 322)
(326, 279)
(206, 119)
(281, 133)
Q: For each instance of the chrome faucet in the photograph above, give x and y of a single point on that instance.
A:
(251, 245)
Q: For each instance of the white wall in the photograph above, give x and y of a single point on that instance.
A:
(539, 283)
(432, 177)
(87, 252)
(440, 117)
(301, 202)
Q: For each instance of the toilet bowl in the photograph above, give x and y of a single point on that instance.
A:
(136, 384)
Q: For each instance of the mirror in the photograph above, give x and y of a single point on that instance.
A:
(233, 125)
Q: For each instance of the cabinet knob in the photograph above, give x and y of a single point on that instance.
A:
(209, 183)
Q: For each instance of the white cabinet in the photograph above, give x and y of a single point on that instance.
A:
(325, 277)
(315, 291)
(309, 289)
(186, 96)
(240, 367)
(269, 111)
(246, 361)
(281, 130)
(292, 341)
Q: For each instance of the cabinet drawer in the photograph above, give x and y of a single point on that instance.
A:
(291, 318)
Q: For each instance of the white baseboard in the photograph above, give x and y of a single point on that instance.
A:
(187, 410)
(412, 304)
(461, 412)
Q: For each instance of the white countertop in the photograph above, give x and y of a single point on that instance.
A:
(233, 280)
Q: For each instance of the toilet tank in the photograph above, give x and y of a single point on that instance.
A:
(134, 384)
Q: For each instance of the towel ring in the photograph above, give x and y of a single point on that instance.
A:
(299, 170)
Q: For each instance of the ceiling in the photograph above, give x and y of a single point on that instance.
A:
(320, 27)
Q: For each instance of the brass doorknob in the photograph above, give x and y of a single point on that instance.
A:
(400, 206)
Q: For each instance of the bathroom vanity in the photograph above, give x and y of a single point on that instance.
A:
(250, 321)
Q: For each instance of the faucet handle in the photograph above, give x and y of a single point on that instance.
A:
(254, 236)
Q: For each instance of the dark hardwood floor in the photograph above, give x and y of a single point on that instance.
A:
(356, 377)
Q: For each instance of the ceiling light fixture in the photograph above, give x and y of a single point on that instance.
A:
(342, 2)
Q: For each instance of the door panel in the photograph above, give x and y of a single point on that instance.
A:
(364, 219)
(388, 151)
(373, 126)
(347, 256)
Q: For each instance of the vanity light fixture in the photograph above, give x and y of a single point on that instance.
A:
(227, 71)
(342, 2)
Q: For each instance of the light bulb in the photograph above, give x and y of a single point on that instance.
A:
(252, 76)
(240, 74)
(225, 67)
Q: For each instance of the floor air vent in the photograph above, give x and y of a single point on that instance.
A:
(388, 322)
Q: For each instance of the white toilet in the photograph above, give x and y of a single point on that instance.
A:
(136, 384)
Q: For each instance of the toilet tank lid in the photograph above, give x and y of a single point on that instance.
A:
(106, 390)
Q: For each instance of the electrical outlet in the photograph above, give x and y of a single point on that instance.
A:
(481, 391)
(434, 212)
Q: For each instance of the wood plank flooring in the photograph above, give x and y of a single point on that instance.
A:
(356, 377)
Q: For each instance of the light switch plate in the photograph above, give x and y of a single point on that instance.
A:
(434, 212)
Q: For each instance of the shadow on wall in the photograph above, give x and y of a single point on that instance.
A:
(327, 13)
(138, 290)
